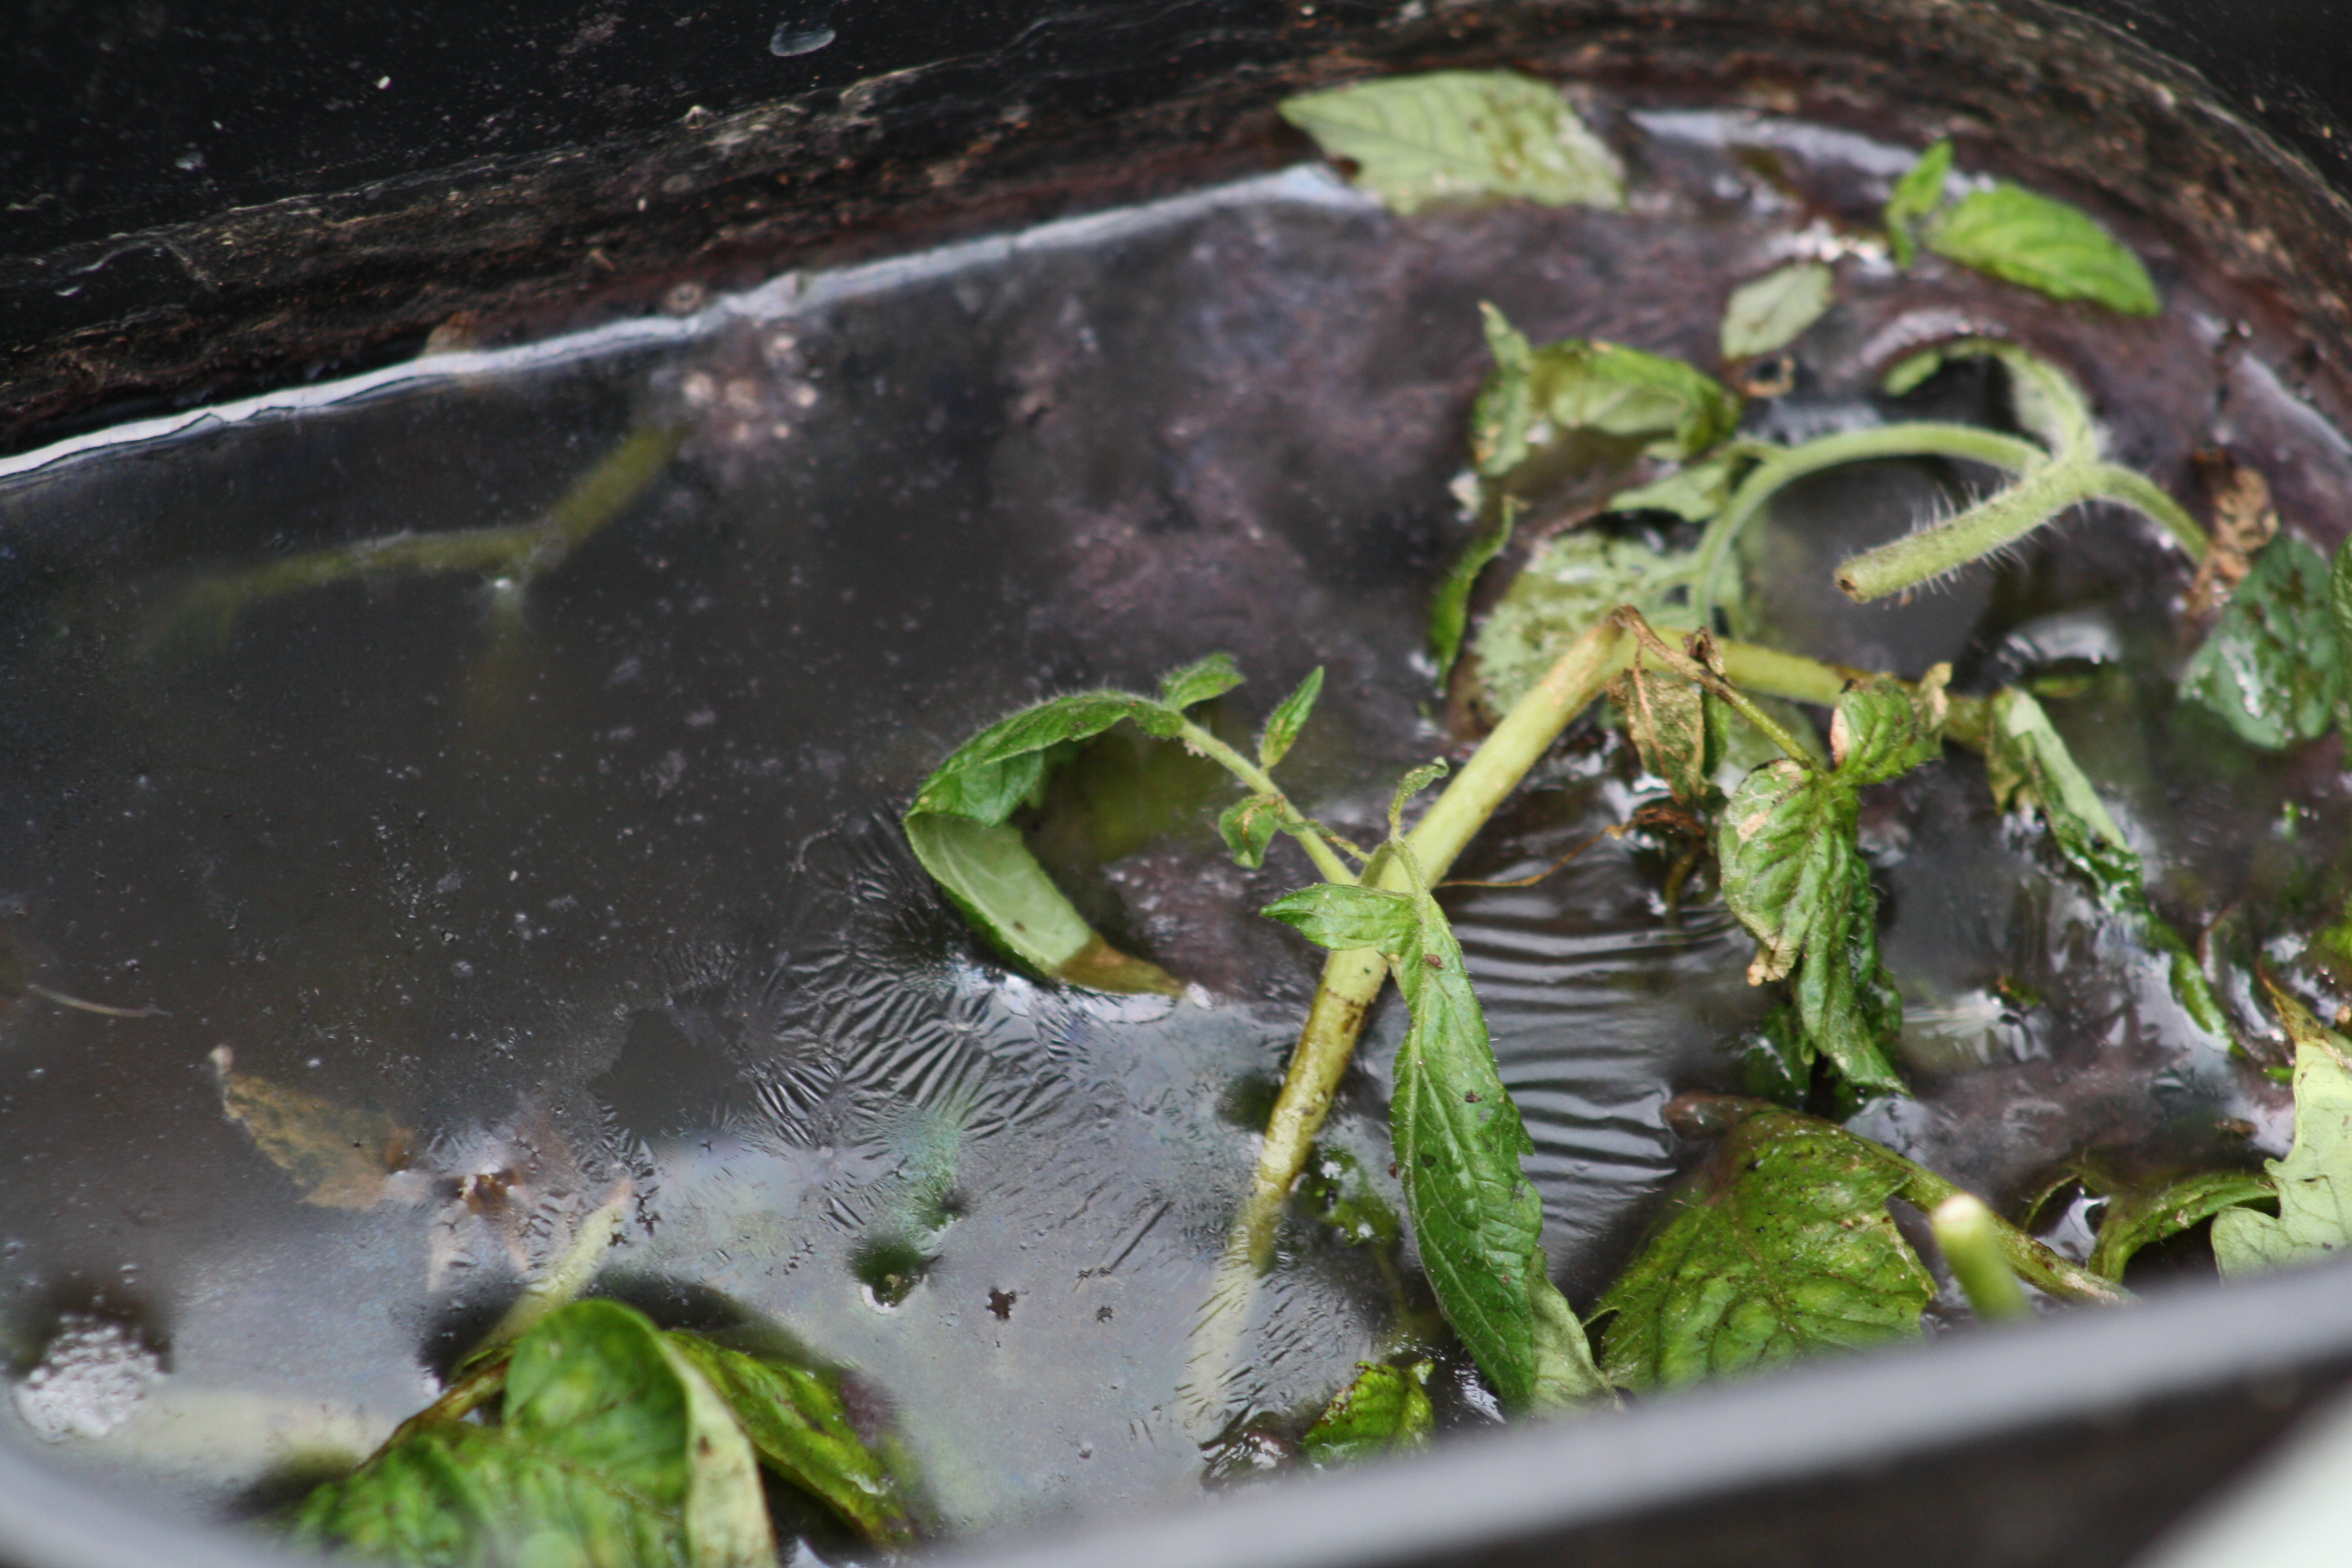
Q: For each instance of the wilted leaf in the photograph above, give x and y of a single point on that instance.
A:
(1667, 716)
(799, 1428)
(1459, 136)
(1694, 493)
(1288, 718)
(2243, 522)
(2314, 1183)
(1449, 608)
(611, 1449)
(1565, 589)
(1916, 195)
(1882, 728)
(1535, 396)
(988, 873)
(1248, 826)
(340, 1156)
(1782, 1247)
(2044, 245)
(1793, 873)
(1385, 1411)
(1772, 311)
(2269, 668)
(2138, 1216)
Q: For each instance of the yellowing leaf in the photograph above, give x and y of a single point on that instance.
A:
(1461, 136)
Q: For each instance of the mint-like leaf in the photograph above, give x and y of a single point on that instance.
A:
(612, 1446)
(1793, 873)
(1248, 826)
(2044, 245)
(1288, 718)
(2314, 1183)
(1782, 1247)
(1775, 310)
(1671, 408)
(1881, 728)
(1200, 681)
(1385, 1411)
(1344, 919)
(801, 1430)
(1918, 193)
(1462, 136)
(2270, 668)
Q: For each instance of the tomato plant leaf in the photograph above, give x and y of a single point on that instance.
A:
(1782, 1247)
(1883, 728)
(612, 1447)
(1563, 591)
(989, 776)
(1566, 1376)
(1197, 682)
(1774, 310)
(1793, 873)
(2046, 246)
(799, 1428)
(1248, 826)
(990, 876)
(2270, 667)
(1536, 395)
(1385, 1411)
(1344, 919)
(2135, 1217)
(1694, 493)
(1450, 137)
(1288, 718)
(1918, 193)
(1667, 716)
(2314, 1183)
(1449, 608)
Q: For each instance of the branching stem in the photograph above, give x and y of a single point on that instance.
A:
(1317, 840)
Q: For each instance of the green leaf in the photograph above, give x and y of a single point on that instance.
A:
(1694, 493)
(1248, 826)
(2027, 763)
(1565, 589)
(1780, 1248)
(1793, 873)
(988, 777)
(2314, 1183)
(988, 873)
(1916, 195)
(2271, 668)
(1882, 728)
(1449, 609)
(1537, 397)
(2141, 1216)
(1385, 1411)
(613, 1450)
(2046, 245)
(1200, 681)
(1415, 780)
(1335, 1190)
(1772, 311)
(1667, 716)
(1290, 716)
(1775, 1059)
(798, 1426)
(1345, 919)
(1566, 1377)
(1457, 136)
(2340, 605)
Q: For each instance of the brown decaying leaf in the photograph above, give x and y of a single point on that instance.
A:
(2243, 522)
(340, 1157)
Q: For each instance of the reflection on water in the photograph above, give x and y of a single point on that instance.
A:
(582, 900)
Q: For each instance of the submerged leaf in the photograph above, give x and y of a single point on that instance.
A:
(611, 1449)
(800, 1428)
(1780, 1248)
(1456, 136)
(1566, 589)
(1566, 1376)
(2135, 1217)
(988, 873)
(2270, 667)
(1772, 311)
(2044, 245)
(1535, 396)
(1385, 1411)
(1449, 608)
(1288, 718)
(1918, 193)
(341, 1157)
(2314, 1183)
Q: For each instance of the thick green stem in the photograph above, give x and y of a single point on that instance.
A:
(2027, 1259)
(1776, 472)
(1969, 1237)
(1352, 981)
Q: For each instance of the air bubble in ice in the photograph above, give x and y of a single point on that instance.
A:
(798, 35)
(88, 1380)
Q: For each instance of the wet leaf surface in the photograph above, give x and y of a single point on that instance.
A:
(2314, 1183)
(1385, 1411)
(1450, 137)
(341, 1157)
(2046, 245)
(2269, 668)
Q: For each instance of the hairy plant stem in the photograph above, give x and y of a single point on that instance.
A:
(1352, 981)
(1316, 840)
(2026, 1257)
